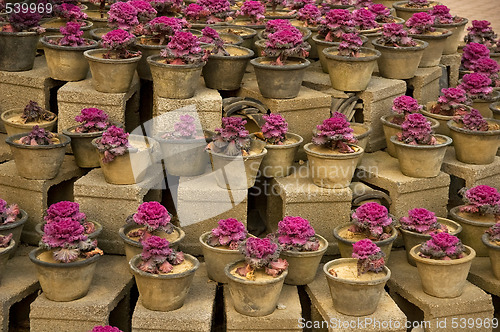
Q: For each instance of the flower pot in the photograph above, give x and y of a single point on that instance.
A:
(443, 278)
(482, 105)
(457, 29)
(345, 243)
(434, 51)
(391, 129)
(17, 50)
(399, 62)
(474, 226)
(133, 247)
(16, 228)
(67, 63)
(174, 81)
(148, 47)
(332, 169)
(411, 239)
(279, 82)
(63, 282)
(5, 254)
(350, 73)
(85, 154)
(38, 162)
(260, 45)
(355, 296)
(254, 298)
(442, 119)
(495, 110)
(494, 253)
(361, 133)
(52, 26)
(111, 75)
(421, 161)
(279, 158)
(475, 147)
(247, 34)
(387, 3)
(226, 72)
(98, 229)
(13, 122)
(237, 172)
(303, 265)
(321, 44)
(406, 12)
(94, 16)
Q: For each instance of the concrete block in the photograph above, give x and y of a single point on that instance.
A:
(482, 276)
(452, 64)
(286, 319)
(316, 79)
(195, 315)
(121, 107)
(111, 204)
(112, 282)
(387, 317)
(381, 170)
(377, 101)
(34, 196)
(425, 84)
(439, 314)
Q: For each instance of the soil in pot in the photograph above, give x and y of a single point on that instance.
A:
(279, 158)
(14, 124)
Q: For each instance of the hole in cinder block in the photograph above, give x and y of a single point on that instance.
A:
(120, 316)
(454, 198)
(19, 320)
(132, 114)
(409, 90)
(219, 311)
(358, 113)
(52, 102)
(305, 304)
(414, 314)
(61, 192)
(146, 101)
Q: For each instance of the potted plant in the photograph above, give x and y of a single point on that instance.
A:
(177, 70)
(480, 211)
(383, 14)
(418, 226)
(481, 32)
(145, 13)
(235, 156)
(471, 53)
(456, 24)
(310, 16)
(18, 121)
(408, 8)
(276, 25)
(93, 122)
(166, 7)
(369, 221)
(400, 53)
(301, 247)
(491, 239)
(163, 275)
(255, 283)
(478, 88)
(18, 41)
(123, 15)
(220, 247)
(357, 284)
(151, 219)
(7, 246)
(299, 4)
(113, 66)
(332, 155)
(443, 258)
(281, 146)
(350, 66)
(252, 11)
(12, 220)
(278, 75)
(220, 10)
(39, 145)
(246, 33)
(364, 21)
(490, 68)
(196, 14)
(65, 260)
(211, 36)
(64, 13)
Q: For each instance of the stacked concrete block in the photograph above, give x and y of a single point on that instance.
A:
(452, 64)
(108, 294)
(121, 107)
(381, 170)
(474, 306)
(425, 84)
(481, 275)
(195, 315)
(34, 196)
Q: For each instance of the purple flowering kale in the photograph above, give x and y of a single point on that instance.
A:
(370, 257)
(285, 43)
(364, 19)
(481, 199)
(482, 33)
(418, 3)
(274, 4)
(28, 21)
(442, 246)
(372, 219)
(416, 129)
(473, 121)
(113, 143)
(441, 15)
(230, 232)
(421, 221)
(117, 41)
(232, 139)
(5, 240)
(157, 257)
(382, 13)
(404, 106)
(296, 234)
(72, 35)
(335, 23)
(64, 210)
(210, 36)
(184, 48)
(472, 52)
(220, 10)
(494, 233)
(261, 253)
(394, 34)
(145, 12)
(273, 26)
(34, 113)
(420, 23)
(275, 129)
(122, 15)
(92, 120)
(154, 217)
(8, 214)
(477, 86)
(184, 129)
(488, 67)
(254, 10)
(299, 4)
(328, 5)
(452, 102)
(310, 15)
(166, 6)
(196, 13)
(335, 133)
(106, 328)
(163, 28)
(39, 136)
(350, 45)
(69, 12)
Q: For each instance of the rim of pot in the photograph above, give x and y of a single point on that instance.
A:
(318, 252)
(495, 107)
(64, 140)
(486, 241)
(287, 146)
(458, 228)
(429, 114)
(410, 9)
(230, 266)
(370, 57)
(394, 234)
(154, 60)
(464, 21)
(3, 116)
(129, 150)
(303, 63)
(151, 47)
(89, 55)
(385, 121)
(70, 133)
(337, 261)
(471, 253)
(223, 156)
(9, 248)
(251, 32)
(207, 133)
(321, 40)
(362, 125)
(236, 40)
(452, 125)
(45, 43)
(203, 241)
(250, 53)
(93, 32)
(193, 260)
(127, 227)
(19, 34)
(454, 213)
(337, 156)
(495, 96)
(35, 252)
(421, 44)
(446, 33)
(21, 221)
(38, 227)
(447, 139)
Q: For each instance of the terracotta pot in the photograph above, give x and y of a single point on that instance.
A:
(407, 12)
(482, 105)
(399, 62)
(387, 3)
(278, 161)
(475, 147)
(14, 128)
(434, 51)
(97, 34)
(5, 254)
(495, 110)
(361, 133)
(411, 239)
(94, 16)
(64, 282)
(442, 119)
(16, 228)
(303, 265)
(332, 171)
(247, 34)
(98, 229)
(17, 50)
(163, 292)
(52, 26)
(254, 298)
(494, 253)
(452, 41)
(321, 44)
(443, 278)
(355, 297)
(147, 50)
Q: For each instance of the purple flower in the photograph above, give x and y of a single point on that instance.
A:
(69, 12)
(118, 40)
(274, 3)
(34, 113)
(335, 133)
(38, 136)
(154, 216)
(216, 6)
(164, 28)
(122, 15)
(416, 129)
(155, 246)
(209, 35)
(72, 35)
(157, 256)
(230, 232)
(184, 48)
(310, 15)
(488, 67)
(254, 10)
(273, 26)
(382, 13)
(420, 220)
(145, 12)
(482, 33)
(350, 45)
(64, 209)
(363, 249)
(335, 23)
(66, 232)
(113, 143)
(364, 19)
(296, 234)
(473, 52)
(477, 86)
(473, 121)
(394, 34)
(106, 328)
(481, 199)
(405, 105)
(420, 23)
(92, 120)
(195, 12)
(373, 218)
(259, 253)
(494, 232)
(186, 127)
(442, 246)
(452, 102)
(166, 6)
(441, 14)
(285, 43)
(232, 139)
(275, 128)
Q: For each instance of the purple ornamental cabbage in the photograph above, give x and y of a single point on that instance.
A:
(273, 26)
(157, 256)
(196, 13)
(477, 86)
(154, 217)
(421, 221)
(184, 48)
(310, 15)
(415, 130)
(220, 10)
(122, 15)
(285, 43)
(274, 4)
(232, 139)
(38, 136)
(105, 328)
(28, 21)
(452, 102)
(261, 253)
(471, 53)
(481, 199)
(420, 23)
(69, 12)
(350, 45)
(166, 6)
(418, 3)
(364, 19)
(185, 128)
(5, 240)
(382, 13)
(373, 219)
(275, 129)
(299, 4)
(229, 232)
(145, 12)
(72, 35)
(370, 257)
(335, 133)
(113, 143)
(404, 106)
(254, 10)
(488, 67)
(482, 33)
(163, 28)
(442, 246)
(335, 23)
(92, 120)
(8, 214)
(296, 234)
(473, 121)
(394, 34)
(64, 209)
(442, 15)
(210, 36)
(494, 233)
(34, 113)
(328, 5)
(117, 41)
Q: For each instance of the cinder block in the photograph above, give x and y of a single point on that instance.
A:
(286, 319)
(452, 64)
(34, 196)
(381, 170)
(439, 314)
(112, 282)
(425, 84)
(482, 276)
(121, 107)
(387, 317)
(377, 101)
(297, 195)
(111, 204)
(195, 315)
